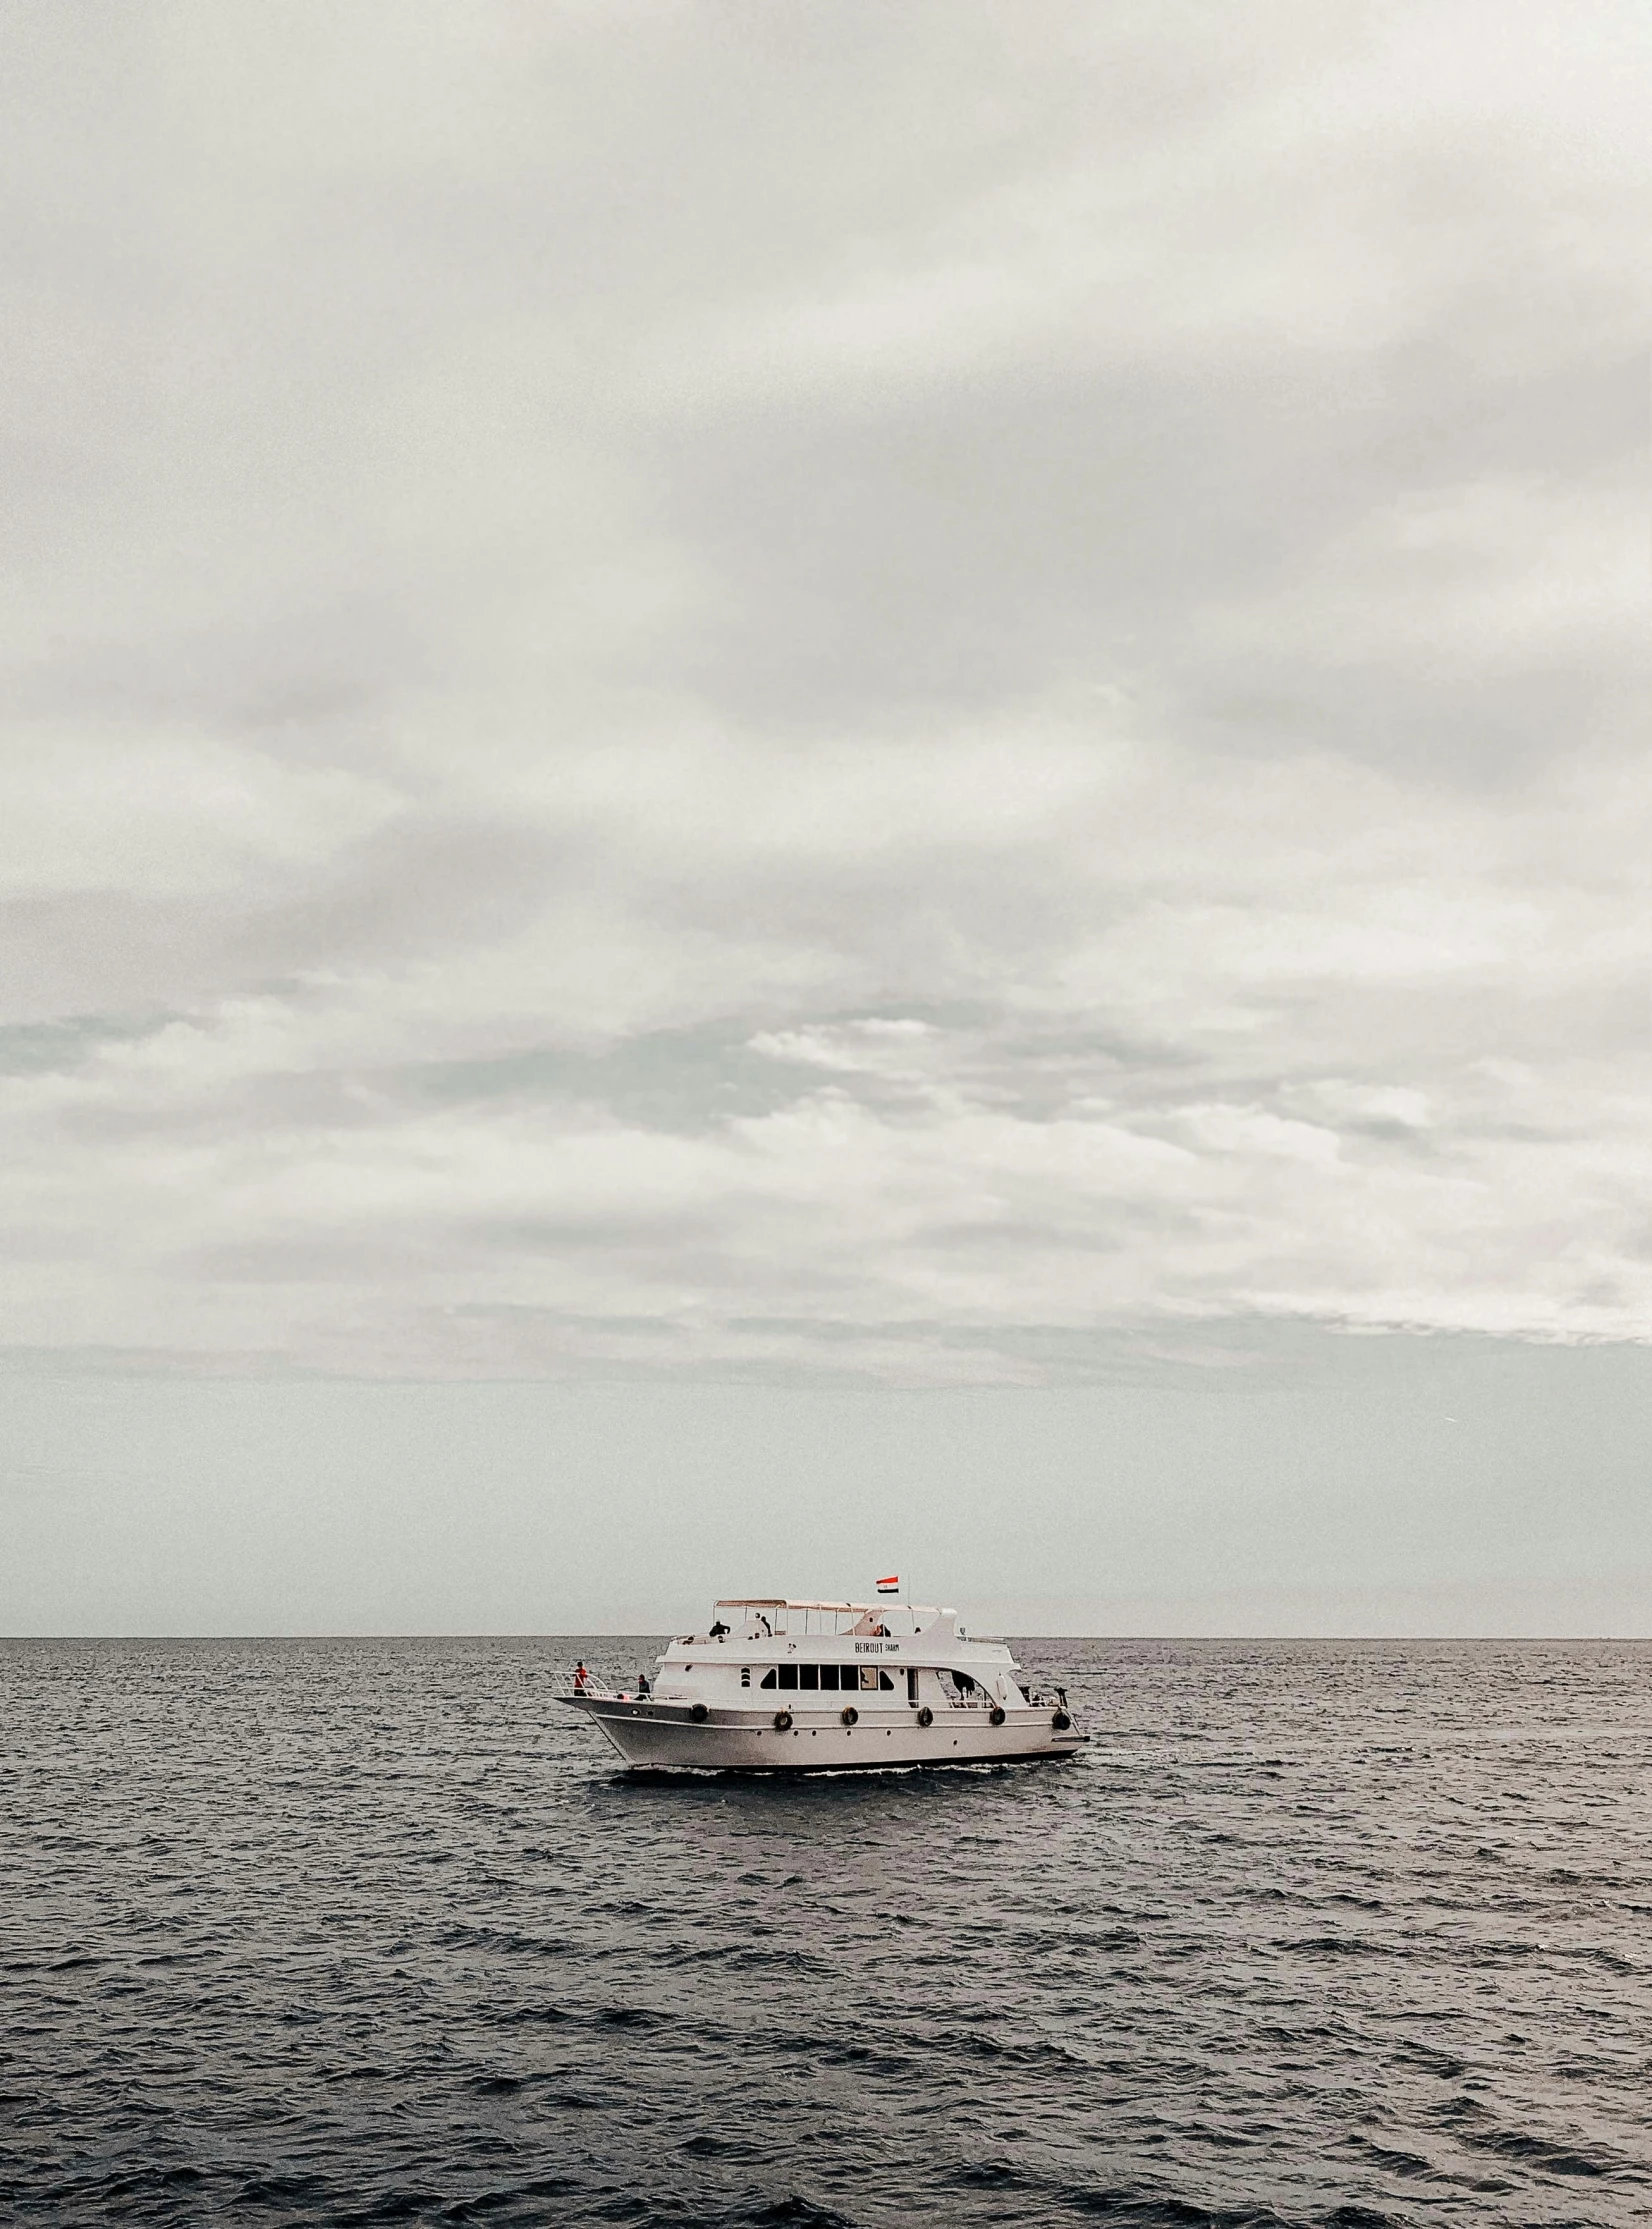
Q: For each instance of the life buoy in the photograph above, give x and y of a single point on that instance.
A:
(699, 1714)
(850, 1714)
(782, 1719)
(996, 1714)
(1061, 1721)
(926, 1717)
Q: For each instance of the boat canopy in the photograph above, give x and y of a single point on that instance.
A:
(783, 1602)
(775, 1613)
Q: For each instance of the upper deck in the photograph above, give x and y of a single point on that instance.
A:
(756, 1617)
(775, 1629)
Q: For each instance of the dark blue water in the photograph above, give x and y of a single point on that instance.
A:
(309, 1932)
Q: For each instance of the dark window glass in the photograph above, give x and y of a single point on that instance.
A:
(788, 1675)
(886, 1683)
(828, 1677)
(768, 1678)
(912, 1684)
(808, 1675)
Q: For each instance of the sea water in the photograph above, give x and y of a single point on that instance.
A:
(373, 1931)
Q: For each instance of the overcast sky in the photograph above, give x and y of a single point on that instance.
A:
(768, 702)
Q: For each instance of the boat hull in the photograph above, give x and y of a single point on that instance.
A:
(668, 1737)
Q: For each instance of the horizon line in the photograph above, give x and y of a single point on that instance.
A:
(601, 1634)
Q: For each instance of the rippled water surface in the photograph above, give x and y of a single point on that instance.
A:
(328, 1932)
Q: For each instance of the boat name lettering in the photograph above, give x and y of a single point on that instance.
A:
(877, 1648)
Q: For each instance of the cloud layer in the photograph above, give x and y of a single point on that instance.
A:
(831, 690)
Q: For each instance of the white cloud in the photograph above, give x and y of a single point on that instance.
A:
(967, 687)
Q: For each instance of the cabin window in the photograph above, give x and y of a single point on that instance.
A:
(745, 1675)
(912, 1684)
(848, 1679)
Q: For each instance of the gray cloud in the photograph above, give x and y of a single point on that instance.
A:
(839, 690)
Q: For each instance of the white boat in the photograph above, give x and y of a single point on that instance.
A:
(781, 1686)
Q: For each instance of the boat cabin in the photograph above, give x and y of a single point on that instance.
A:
(899, 1655)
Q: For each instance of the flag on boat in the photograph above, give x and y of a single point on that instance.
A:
(889, 1586)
